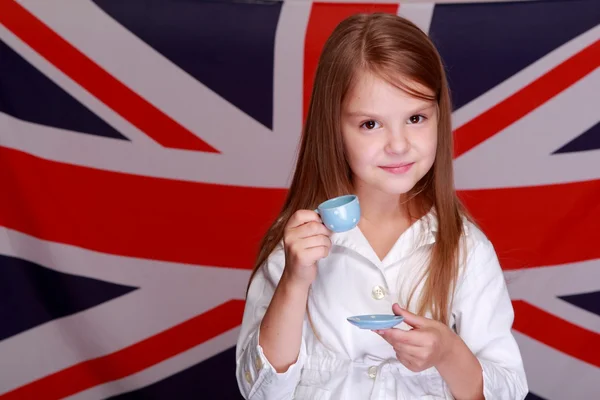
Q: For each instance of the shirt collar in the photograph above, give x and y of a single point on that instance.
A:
(421, 233)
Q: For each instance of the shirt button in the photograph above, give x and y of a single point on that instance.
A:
(372, 372)
(248, 377)
(258, 363)
(378, 292)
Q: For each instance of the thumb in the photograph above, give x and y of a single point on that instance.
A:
(411, 319)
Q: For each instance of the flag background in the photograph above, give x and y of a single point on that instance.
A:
(146, 145)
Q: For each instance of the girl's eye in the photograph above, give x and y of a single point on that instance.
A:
(370, 125)
(415, 119)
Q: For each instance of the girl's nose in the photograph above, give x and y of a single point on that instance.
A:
(397, 142)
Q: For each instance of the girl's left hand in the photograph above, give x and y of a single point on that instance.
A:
(426, 345)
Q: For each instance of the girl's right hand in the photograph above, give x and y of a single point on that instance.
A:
(306, 240)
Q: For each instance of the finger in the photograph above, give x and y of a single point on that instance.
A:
(396, 337)
(409, 350)
(411, 319)
(301, 217)
(399, 337)
(316, 241)
(410, 362)
(310, 229)
(317, 253)
(406, 358)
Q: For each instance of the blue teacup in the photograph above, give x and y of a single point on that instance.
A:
(340, 214)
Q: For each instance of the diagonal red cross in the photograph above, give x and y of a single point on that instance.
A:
(97, 81)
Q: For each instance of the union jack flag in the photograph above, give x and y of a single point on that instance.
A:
(145, 146)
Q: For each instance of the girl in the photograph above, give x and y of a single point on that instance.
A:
(379, 127)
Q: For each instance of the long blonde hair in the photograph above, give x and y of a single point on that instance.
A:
(393, 48)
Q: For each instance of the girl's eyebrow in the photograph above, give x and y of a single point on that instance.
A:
(371, 114)
(360, 113)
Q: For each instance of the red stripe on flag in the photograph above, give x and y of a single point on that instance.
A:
(557, 333)
(134, 358)
(324, 17)
(136, 216)
(527, 99)
(97, 81)
(539, 225)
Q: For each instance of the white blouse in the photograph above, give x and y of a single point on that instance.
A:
(340, 361)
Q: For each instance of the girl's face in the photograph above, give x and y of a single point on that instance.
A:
(390, 137)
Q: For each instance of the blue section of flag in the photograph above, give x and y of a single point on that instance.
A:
(27, 94)
(588, 301)
(31, 294)
(589, 140)
(212, 379)
(228, 46)
(484, 44)
(532, 396)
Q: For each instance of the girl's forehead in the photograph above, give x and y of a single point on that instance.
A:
(370, 88)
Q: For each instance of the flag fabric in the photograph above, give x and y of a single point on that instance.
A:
(146, 145)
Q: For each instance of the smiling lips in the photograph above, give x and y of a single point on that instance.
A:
(397, 168)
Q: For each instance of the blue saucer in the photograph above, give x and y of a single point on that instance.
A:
(376, 321)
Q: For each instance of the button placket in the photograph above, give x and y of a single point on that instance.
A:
(258, 363)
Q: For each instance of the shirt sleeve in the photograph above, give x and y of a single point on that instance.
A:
(484, 315)
(257, 379)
